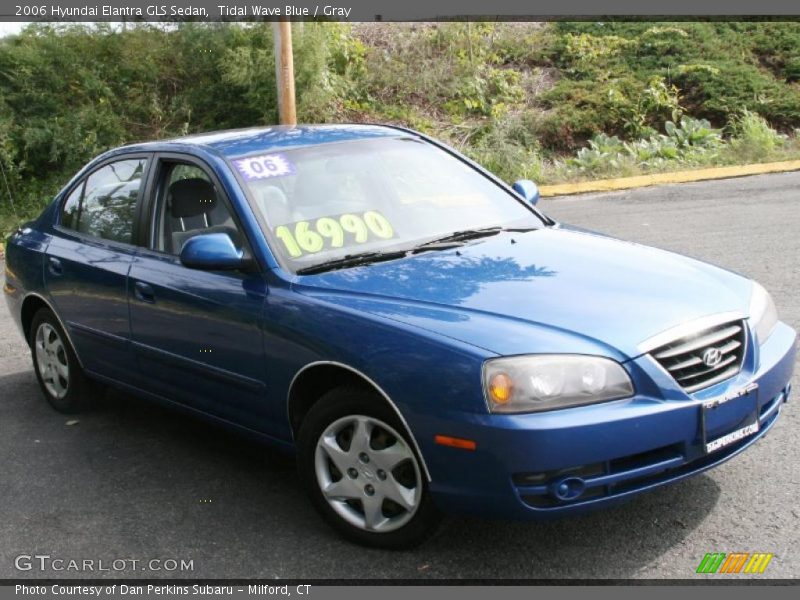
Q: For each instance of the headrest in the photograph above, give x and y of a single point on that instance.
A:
(191, 197)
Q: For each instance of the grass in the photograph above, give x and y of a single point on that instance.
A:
(730, 155)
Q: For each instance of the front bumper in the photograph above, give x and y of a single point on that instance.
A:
(537, 466)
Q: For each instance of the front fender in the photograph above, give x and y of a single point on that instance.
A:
(420, 370)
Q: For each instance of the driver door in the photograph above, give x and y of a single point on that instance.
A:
(197, 334)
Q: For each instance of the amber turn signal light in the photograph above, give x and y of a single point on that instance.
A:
(454, 442)
(500, 388)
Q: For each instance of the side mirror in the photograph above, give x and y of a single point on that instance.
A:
(528, 190)
(212, 252)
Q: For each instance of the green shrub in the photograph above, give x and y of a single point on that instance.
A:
(549, 101)
(717, 67)
(653, 150)
(696, 133)
(692, 141)
(69, 92)
(604, 153)
(584, 54)
(508, 148)
(753, 138)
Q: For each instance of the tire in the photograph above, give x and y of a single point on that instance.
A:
(376, 493)
(63, 383)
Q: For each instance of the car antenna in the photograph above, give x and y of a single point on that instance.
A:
(8, 191)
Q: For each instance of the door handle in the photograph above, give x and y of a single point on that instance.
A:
(54, 266)
(144, 292)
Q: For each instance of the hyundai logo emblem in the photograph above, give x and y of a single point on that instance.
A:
(712, 357)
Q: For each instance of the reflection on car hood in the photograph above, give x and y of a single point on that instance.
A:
(549, 290)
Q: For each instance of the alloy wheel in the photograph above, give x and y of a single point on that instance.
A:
(368, 473)
(51, 359)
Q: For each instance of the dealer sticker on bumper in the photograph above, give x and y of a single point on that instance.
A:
(730, 419)
(732, 437)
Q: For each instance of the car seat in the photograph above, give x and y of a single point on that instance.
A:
(194, 210)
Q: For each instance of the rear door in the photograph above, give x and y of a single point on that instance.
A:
(197, 334)
(88, 260)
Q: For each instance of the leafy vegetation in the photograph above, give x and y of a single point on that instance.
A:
(69, 92)
(552, 102)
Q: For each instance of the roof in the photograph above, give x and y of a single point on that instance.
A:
(240, 142)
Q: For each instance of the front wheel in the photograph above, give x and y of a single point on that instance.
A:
(362, 472)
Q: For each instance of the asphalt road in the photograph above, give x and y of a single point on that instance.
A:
(132, 480)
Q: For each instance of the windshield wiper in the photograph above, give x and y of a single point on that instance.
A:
(455, 239)
(449, 241)
(461, 236)
(352, 260)
(520, 229)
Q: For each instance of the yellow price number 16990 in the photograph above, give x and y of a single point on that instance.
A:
(331, 232)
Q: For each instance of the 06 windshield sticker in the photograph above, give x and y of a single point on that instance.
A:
(264, 166)
(340, 231)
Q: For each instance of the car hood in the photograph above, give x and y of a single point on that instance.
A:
(548, 290)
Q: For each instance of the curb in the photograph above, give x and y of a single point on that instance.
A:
(627, 183)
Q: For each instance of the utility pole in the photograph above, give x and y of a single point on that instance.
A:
(284, 71)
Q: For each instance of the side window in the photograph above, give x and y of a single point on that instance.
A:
(105, 204)
(71, 211)
(189, 204)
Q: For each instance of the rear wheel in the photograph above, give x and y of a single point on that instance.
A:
(362, 472)
(60, 376)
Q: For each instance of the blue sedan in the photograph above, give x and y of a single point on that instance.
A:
(416, 331)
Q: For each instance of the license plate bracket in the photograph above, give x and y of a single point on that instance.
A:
(729, 419)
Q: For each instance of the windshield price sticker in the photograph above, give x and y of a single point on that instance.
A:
(325, 233)
(264, 166)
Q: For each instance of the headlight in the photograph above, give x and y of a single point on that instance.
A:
(536, 383)
(763, 314)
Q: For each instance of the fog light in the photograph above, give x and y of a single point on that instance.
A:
(568, 488)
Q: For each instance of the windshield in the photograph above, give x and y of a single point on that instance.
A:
(326, 202)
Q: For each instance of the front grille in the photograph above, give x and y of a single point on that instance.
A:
(687, 359)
